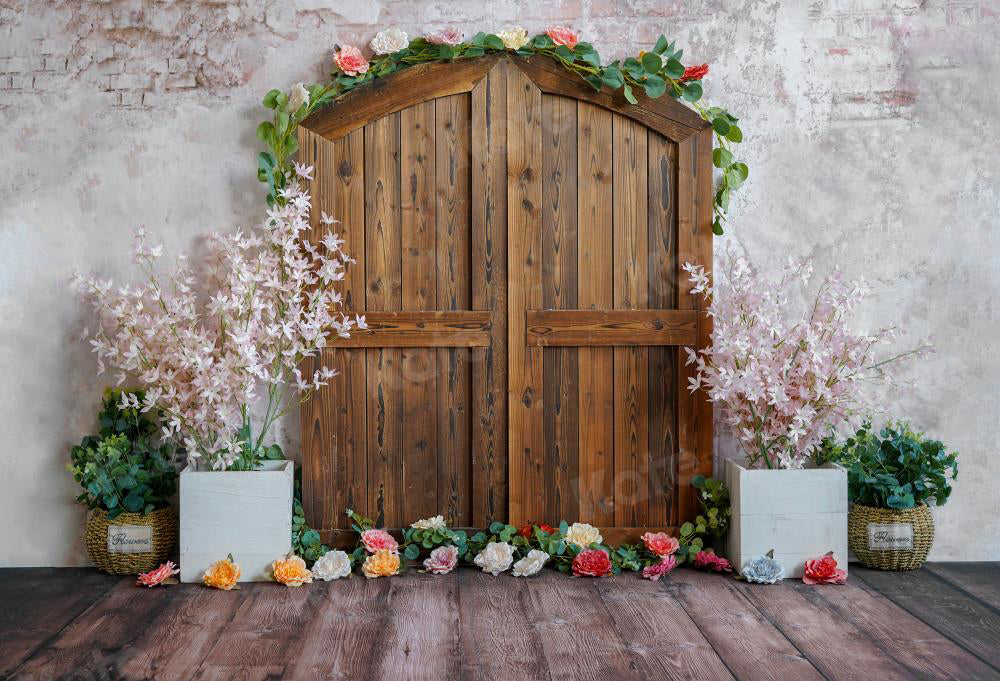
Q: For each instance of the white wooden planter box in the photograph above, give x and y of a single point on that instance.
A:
(245, 513)
(800, 514)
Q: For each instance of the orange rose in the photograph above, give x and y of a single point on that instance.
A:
(222, 575)
(291, 571)
(382, 563)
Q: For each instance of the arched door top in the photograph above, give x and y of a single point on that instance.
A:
(425, 82)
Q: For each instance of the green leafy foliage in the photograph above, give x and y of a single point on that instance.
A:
(122, 469)
(713, 496)
(306, 543)
(654, 73)
(896, 468)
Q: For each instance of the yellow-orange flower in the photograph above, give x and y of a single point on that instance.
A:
(382, 563)
(222, 575)
(291, 571)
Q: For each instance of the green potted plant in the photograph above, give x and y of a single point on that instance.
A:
(892, 476)
(128, 480)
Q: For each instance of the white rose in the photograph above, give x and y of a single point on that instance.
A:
(513, 38)
(332, 565)
(531, 563)
(583, 535)
(435, 523)
(388, 41)
(496, 557)
(297, 98)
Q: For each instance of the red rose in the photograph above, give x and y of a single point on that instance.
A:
(592, 563)
(529, 529)
(694, 73)
(824, 571)
(546, 528)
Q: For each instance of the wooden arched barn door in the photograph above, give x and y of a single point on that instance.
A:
(518, 240)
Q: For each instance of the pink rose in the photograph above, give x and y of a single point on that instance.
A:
(350, 60)
(563, 36)
(592, 563)
(378, 540)
(442, 560)
(707, 560)
(660, 543)
(824, 571)
(158, 576)
(444, 36)
(657, 570)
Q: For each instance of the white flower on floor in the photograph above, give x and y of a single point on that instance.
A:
(388, 41)
(435, 523)
(298, 97)
(332, 565)
(530, 564)
(496, 557)
(583, 535)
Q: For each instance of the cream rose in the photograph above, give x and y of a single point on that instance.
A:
(583, 535)
(514, 38)
(495, 558)
(435, 523)
(388, 41)
(531, 564)
(298, 97)
(332, 565)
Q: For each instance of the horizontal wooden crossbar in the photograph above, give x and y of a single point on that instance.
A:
(421, 329)
(611, 327)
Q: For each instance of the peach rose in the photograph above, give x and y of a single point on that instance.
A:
(376, 540)
(291, 571)
(222, 575)
(563, 36)
(350, 60)
(382, 563)
(660, 543)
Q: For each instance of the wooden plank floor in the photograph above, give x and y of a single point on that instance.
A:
(941, 622)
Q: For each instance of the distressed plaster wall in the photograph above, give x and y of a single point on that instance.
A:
(870, 135)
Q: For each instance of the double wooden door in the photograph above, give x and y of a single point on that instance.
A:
(518, 241)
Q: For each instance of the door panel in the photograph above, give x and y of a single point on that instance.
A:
(518, 244)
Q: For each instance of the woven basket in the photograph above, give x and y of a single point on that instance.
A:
(890, 559)
(164, 537)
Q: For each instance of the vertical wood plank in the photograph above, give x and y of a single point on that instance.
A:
(561, 394)
(419, 292)
(631, 291)
(596, 365)
(454, 377)
(334, 427)
(662, 179)
(489, 292)
(383, 290)
(524, 290)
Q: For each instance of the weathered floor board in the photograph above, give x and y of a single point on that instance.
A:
(938, 622)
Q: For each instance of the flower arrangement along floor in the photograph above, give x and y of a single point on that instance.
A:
(942, 621)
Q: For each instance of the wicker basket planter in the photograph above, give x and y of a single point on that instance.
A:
(890, 539)
(116, 546)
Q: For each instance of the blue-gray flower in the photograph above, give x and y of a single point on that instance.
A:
(763, 570)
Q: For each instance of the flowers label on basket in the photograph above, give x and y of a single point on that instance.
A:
(130, 538)
(890, 536)
(291, 571)
(764, 569)
(161, 575)
(531, 564)
(495, 558)
(332, 565)
(592, 563)
(824, 571)
(223, 574)
(442, 560)
(382, 563)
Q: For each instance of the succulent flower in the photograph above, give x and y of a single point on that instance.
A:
(763, 569)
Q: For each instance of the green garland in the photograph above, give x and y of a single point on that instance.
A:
(656, 73)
